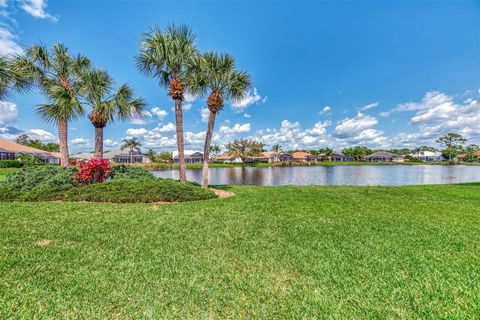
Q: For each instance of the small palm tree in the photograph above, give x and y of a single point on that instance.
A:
(164, 54)
(132, 145)
(57, 74)
(276, 148)
(216, 75)
(106, 104)
(215, 149)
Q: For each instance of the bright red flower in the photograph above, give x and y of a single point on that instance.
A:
(94, 170)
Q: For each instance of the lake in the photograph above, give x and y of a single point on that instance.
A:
(363, 175)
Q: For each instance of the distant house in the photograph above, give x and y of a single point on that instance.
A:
(383, 156)
(427, 156)
(301, 156)
(9, 150)
(190, 156)
(273, 156)
(340, 157)
(124, 156)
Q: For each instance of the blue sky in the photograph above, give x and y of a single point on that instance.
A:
(381, 74)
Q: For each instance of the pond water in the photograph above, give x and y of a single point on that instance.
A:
(387, 175)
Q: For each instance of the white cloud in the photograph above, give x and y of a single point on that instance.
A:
(109, 143)
(3, 3)
(354, 126)
(325, 110)
(36, 8)
(161, 114)
(237, 128)
(136, 132)
(249, 98)
(319, 129)
(80, 142)
(142, 118)
(8, 112)
(246, 115)
(8, 42)
(205, 114)
(369, 106)
(169, 127)
(189, 98)
(187, 106)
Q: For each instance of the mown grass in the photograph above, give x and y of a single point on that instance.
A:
(6, 171)
(269, 252)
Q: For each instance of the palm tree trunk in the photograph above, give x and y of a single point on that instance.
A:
(131, 155)
(99, 142)
(206, 149)
(63, 142)
(180, 143)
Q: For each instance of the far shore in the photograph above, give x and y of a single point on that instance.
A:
(154, 166)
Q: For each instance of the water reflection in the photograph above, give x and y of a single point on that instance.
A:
(336, 175)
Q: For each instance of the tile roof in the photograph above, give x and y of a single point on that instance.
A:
(17, 148)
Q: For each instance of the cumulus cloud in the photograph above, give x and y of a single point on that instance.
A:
(8, 42)
(237, 128)
(37, 9)
(351, 127)
(204, 114)
(109, 143)
(80, 142)
(187, 106)
(142, 118)
(8, 112)
(136, 132)
(189, 98)
(42, 135)
(250, 97)
(161, 114)
(169, 127)
(325, 110)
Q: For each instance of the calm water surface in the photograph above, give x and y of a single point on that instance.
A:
(388, 175)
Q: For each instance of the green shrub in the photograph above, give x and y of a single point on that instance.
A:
(130, 172)
(10, 164)
(29, 178)
(137, 191)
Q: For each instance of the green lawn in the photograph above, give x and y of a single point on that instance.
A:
(5, 171)
(268, 252)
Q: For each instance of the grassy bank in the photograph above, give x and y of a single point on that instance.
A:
(276, 252)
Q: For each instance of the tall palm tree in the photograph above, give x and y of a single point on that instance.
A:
(5, 77)
(216, 75)
(106, 103)
(132, 145)
(164, 54)
(57, 74)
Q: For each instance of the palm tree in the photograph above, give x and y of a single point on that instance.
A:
(276, 147)
(215, 149)
(164, 55)
(132, 145)
(11, 79)
(57, 74)
(216, 75)
(107, 104)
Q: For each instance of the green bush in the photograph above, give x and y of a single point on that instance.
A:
(137, 191)
(130, 172)
(45, 176)
(10, 164)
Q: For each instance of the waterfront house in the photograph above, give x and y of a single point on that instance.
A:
(9, 150)
(301, 156)
(427, 156)
(191, 156)
(125, 156)
(273, 156)
(340, 157)
(383, 156)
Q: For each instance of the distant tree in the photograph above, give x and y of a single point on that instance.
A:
(244, 148)
(151, 153)
(452, 143)
(22, 139)
(403, 151)
(215, 149)
(358, 152)
(132, 145)
(472, 152)
(328, 153)
(25, 140)
(164, 157)
(276, 147)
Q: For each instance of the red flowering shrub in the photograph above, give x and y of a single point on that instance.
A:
(94, 170)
